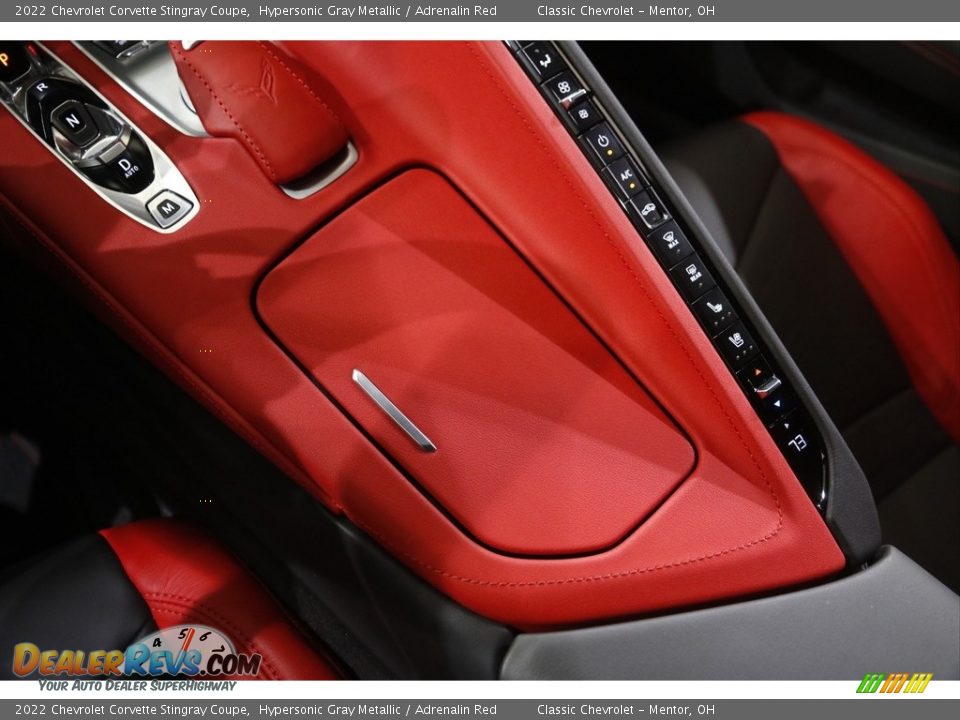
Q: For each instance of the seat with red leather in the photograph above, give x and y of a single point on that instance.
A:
(860, 282)
(109, 590)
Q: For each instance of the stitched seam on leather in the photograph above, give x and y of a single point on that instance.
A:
(571, 580)
(213, 93)
(623, 259)
(188, 603)
(304, 83)
(159, 351)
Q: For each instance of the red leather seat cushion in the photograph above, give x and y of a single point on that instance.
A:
(894, 245)
(185, 577)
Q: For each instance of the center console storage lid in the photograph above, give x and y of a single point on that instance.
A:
(544, 444)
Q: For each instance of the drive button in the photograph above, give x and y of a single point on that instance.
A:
(168, 208)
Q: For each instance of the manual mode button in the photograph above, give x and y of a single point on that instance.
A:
(167, 208)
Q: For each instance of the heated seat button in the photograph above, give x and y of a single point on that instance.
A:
(74, 122)
(692, 278)
(167, 208)
(584, 116)
(647, 211)
(542, 60)
(128, 171)
(564, 88)
(623, 177)
(601, 144)
(14, 61)
(715, 311)
(669, 244)
(736, 345)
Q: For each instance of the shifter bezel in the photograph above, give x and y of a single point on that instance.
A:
(167, 177)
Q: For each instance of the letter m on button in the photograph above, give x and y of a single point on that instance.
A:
(168, 208)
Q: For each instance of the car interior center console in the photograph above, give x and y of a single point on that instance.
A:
(509, 357)
(697, 282)
(92, 138)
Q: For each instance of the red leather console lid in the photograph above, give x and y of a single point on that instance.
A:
(545, 445)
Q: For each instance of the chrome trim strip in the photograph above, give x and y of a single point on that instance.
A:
(393, 412)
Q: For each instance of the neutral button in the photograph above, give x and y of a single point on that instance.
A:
(168, 208)
(73, 120)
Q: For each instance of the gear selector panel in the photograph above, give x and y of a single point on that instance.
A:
(95, 140)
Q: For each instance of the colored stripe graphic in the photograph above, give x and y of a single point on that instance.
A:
(894, 683)
(870, 683)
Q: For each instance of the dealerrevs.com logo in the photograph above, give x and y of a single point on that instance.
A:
(180, 651)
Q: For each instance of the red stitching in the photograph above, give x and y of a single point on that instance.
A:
(304, 83)
(213, 93)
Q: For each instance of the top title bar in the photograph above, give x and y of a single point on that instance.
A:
(299, 11)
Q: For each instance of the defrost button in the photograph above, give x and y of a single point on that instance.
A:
(692, 278)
